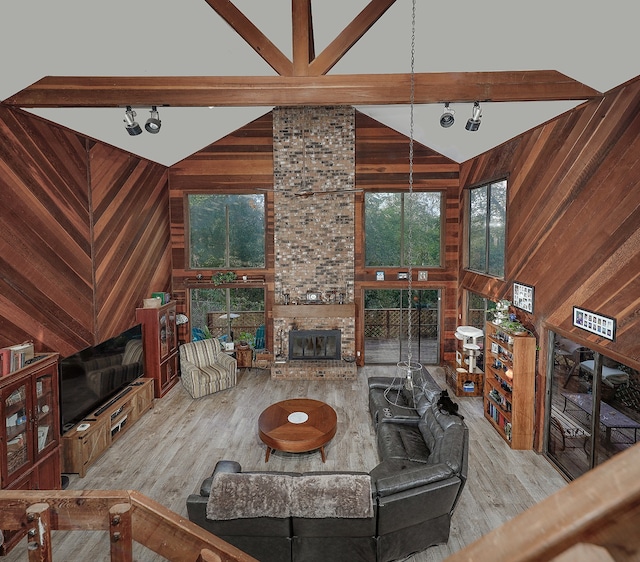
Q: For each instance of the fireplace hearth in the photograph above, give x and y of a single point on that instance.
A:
(313, 345)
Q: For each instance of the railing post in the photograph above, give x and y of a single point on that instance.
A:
(120, 533)
(39, 532)
(207, 555)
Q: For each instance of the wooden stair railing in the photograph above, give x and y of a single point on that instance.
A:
(126, 515)
(595, 517)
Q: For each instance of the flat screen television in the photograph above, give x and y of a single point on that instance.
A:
(92, 376)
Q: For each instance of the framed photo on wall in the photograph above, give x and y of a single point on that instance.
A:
(523, 296)
(603, 326)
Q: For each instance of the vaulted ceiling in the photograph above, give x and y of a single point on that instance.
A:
(214, 65)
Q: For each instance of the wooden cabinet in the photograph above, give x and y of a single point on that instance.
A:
(509, 386)
(30, 436)
(85, 442)
(160, 337)
(244, 356)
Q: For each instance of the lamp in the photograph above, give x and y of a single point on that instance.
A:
(181, 319)
(153, 124)
(473, 124)
(407, 370)
(447, 119)
(131, 125)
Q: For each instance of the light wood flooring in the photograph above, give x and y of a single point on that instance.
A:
(175, 446)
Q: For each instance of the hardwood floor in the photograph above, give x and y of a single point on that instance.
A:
(168, 453)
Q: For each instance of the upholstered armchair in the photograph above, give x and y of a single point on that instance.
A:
(205, 368)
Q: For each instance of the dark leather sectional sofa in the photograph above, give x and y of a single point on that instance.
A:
(414, 490)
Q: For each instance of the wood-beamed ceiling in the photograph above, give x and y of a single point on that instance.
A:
(303, 80)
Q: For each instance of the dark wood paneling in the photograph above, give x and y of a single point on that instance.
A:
(132, 256)
(573, 229)
(46, 289)
(75, 260)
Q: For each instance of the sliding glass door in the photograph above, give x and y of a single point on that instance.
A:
(386, 326)
(594, 407)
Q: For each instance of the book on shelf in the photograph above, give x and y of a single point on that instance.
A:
(15, 357)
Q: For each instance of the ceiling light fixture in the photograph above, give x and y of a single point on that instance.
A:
(131, 125)
(153, 124)
(473, 124)
(447, 119)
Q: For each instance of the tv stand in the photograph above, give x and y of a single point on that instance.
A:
(85, 442)
(111, 402)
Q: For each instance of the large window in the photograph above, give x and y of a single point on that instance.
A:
(230, 312)
(391, 219)
(226, 231)
(487, 225)
(479, 310)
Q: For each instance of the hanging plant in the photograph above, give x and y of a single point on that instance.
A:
(223, 277)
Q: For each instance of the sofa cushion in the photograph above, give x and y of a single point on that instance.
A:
(398, 440)
(331, 495)
(445, 435)
(270, 494)
(240, 495)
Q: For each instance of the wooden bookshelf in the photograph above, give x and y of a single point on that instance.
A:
(509, 385)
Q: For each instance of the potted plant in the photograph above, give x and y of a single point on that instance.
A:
(245, 339)
(223, 277)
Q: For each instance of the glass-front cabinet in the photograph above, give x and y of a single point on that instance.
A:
(30, 411)
(160, 337)
(17, 431)
(30, 435)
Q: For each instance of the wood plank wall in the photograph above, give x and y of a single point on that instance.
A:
(573, 229)
(84, 235)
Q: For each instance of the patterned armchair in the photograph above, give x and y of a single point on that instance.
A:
(205, 368)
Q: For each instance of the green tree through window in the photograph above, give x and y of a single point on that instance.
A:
(226, 231)
(389, 217)
(487, 225)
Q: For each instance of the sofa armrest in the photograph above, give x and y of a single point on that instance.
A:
(391, 477)
(225, 360)
(221, 466)
(385, 382)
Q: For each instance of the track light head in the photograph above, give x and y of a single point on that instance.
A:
(153, 124)
(447, 119)
(473, 124)
(130, 122)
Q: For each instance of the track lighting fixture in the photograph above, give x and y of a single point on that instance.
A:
(131, 125)
(153, 124)
(473, 124)
(447, 119)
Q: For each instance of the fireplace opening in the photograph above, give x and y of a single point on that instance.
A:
(314, 344)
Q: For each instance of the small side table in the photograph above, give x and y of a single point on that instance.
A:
(244, 357)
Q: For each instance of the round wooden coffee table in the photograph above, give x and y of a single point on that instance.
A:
(297, 425)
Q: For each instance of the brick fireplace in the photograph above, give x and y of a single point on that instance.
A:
(314, 175)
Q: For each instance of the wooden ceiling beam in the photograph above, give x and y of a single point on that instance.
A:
(349, 36)
(240, 91)
(258, 41)
(303, 46)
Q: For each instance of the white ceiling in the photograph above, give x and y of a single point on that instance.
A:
(591, 41)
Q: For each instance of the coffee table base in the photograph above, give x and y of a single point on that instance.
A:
(321, 449)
